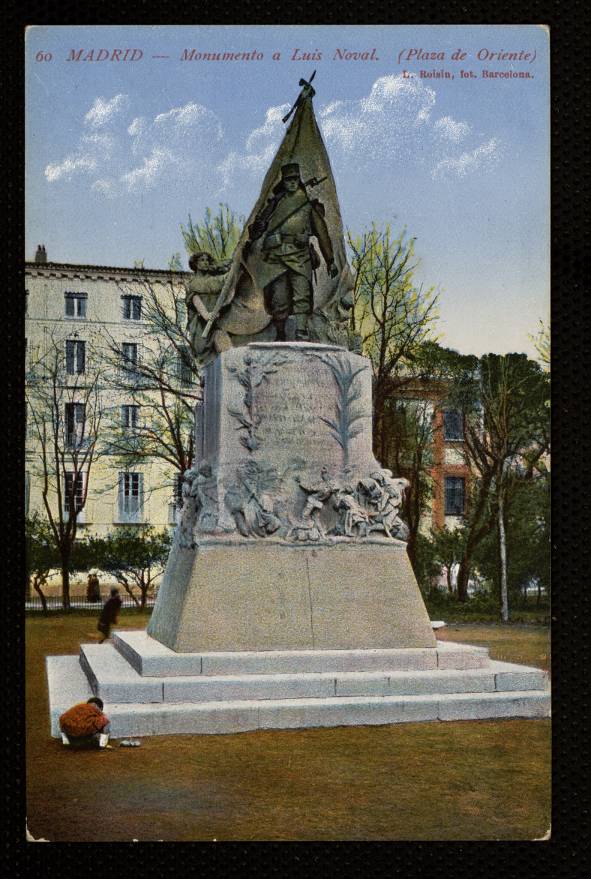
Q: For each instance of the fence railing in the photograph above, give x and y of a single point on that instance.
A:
(55, 602)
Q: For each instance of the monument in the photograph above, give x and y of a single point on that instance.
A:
(290, 534)
(288, 599)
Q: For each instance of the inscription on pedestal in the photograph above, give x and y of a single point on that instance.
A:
(291, 408)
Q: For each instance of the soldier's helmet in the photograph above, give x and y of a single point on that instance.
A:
(290, 171)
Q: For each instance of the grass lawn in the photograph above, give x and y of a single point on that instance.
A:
(463, 780)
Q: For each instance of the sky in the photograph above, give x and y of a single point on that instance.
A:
(120, 151)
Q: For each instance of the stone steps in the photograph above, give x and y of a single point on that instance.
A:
(149, 689)
(113, 679)
(151, 658)
(65, 676)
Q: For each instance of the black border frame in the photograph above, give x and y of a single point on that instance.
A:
(567, 850)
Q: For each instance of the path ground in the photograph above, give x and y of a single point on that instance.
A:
(435, 781)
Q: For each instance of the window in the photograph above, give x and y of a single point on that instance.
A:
(26, 301)
(130, 417)
(130, 360)
(75, 304)
(454, 495)
(131, 497)
(75, 357)
(130, 354)
(132, 307)
(453, 425)
(73, 493)
(174, 507)
(75, 415)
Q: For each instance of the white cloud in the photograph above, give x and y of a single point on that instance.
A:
(103, 111)
(381, 123)
(101, 146)
(182, 139)
(484, 156)
(70, 166)
(271, 129)
(375, 127)
(124, 153)
(137, 127)
(96, 148)
(447, 128)
(260, 146)
(250, 163)
(190, 115)
(105, 187)
(146, 176)
(395, 122)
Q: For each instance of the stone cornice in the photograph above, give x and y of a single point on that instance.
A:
(106, 273)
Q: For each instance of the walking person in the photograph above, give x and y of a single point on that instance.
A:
(109, 614)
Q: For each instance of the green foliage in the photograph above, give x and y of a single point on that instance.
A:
(407, 449)
(395, 319)
(541, 341)
(41, 551)
(426, 567)
(217, 234)
(480, 606)
(528, 544)
(135, 557)
(504, 410)
(43, 555)
(506, 439)
(391, 313)
(175, 263)
(448, 546)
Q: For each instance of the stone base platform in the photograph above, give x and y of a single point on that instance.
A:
(275, 595)
(149, 689)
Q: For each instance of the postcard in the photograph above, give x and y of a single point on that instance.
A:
(287, 447)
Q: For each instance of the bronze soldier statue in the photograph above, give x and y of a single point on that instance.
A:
(286, 225)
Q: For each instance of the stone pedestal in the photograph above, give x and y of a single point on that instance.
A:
(273, 595)
(282, 545)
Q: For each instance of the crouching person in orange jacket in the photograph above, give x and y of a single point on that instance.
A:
(85, 726)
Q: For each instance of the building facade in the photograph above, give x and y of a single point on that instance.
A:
(85, 313)
(422, 427)
(450, 473)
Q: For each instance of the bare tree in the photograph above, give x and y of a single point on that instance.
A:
(65, 414)
(409, 428)
(391, 313)
(158, 378)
